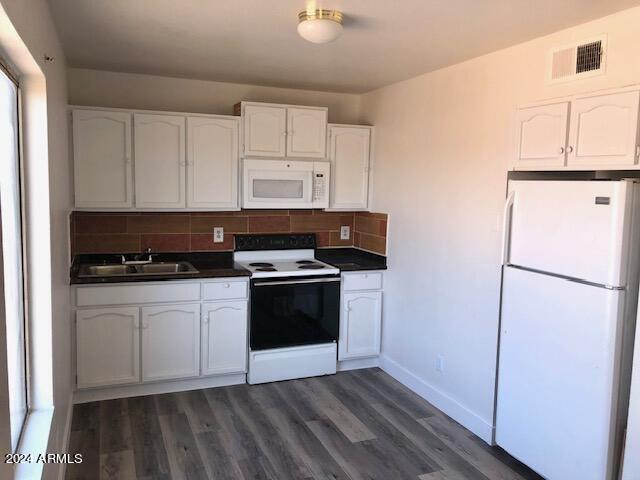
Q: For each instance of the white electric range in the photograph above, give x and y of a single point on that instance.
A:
(294, 307)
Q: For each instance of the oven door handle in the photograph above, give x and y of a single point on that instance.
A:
(291, 282)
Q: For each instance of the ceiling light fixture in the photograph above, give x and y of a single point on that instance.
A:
(320, 26)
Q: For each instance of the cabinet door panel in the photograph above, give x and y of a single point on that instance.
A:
(170, 342)
(360, 325)
(102, 159)
(542, 136)
(604, 131)
(224, 338)
(265, 129)
(349, 156)
(159, 161)
(306, 132)
(212, 162)
(107, 346)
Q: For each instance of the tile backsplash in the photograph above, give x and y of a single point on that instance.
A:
(127, 232)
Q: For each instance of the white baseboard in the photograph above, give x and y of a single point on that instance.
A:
(448, 405)
(358, 363)
(124, 391)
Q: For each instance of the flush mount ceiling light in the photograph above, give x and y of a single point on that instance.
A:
(320, 26)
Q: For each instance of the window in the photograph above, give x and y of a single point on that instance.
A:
(11, 249)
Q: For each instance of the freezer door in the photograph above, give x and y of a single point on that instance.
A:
(556, 375)
(577, 229)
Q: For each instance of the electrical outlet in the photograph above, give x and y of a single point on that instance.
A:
(440, 363)
(218, 234)
(345, 232)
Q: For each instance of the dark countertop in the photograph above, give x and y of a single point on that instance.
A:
(208, 264)
(351, 259)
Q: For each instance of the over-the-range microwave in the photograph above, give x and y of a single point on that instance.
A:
(285, 184)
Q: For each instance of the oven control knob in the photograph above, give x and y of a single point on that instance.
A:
(241, 242)
(293, 241)
(249, 242)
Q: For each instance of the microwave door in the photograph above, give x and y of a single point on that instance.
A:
(277, 184)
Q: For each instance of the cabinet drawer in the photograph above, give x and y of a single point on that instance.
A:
(133, 293)
(224, 290)
(362, 281)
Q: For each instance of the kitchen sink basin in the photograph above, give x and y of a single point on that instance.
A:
(147, 269)
(180, 267)
(106, 270)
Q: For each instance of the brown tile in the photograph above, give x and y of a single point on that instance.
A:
(370, 225)
(165, 242)
(335, 240)
(158, 223)
(203, 242)
(372, 243)
(379, 216)
(347, 220)
(231, 224)
(301, 212)
(216, 213)
(315, 223)
(100, 224)
(383, 228)
(323, 239)
(271, 224)
(263, 213)
(116, 243)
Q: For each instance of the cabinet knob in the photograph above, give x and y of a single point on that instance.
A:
(569, 149)
(284, 134)
(226, 285)
(561, 150)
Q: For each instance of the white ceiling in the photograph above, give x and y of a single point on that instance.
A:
(255, 41)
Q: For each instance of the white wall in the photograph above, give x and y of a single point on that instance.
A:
(127, 90)
(443, 142)
(32, 21)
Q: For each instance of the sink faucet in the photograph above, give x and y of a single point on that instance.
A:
(137, 260)
(147, 252)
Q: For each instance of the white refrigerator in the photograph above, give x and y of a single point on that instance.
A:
(569, 298)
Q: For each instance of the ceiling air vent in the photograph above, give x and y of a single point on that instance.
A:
(579, 60)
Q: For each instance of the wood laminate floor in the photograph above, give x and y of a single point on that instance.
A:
(359, 425)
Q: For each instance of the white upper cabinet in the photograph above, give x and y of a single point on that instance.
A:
(159, 161)
(212, 163)
(542, 136)
(265, 130)
(604, 131)
(224, 337)
(170, 342)
(102, 159)
(349, 154)
(107, 346)
(271, 130)
(306, 132)
(585, 132)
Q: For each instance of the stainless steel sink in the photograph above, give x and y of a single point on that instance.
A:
(148, 269)
(163, 268)
(106, 270)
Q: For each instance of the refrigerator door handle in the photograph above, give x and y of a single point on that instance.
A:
(506, 227)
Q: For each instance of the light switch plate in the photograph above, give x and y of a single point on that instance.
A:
(218, 234)
(345, 232)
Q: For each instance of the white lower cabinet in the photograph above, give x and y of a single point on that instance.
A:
(108, 346)
(360, 317)
(224, 337)
(170, 342)
(153, 342)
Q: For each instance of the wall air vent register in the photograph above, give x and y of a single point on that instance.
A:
(579, 60)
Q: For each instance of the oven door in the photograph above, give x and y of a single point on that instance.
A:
(287, 313)
(277, 184)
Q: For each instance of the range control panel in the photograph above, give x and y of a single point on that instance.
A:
(284, 241)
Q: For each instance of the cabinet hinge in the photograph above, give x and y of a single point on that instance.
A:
(637, 150)
(76, 379)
